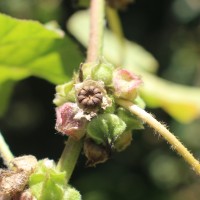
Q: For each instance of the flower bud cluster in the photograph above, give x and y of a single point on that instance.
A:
(49, 183)
(87, 109)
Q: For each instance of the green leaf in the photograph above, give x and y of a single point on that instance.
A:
(27, 48)
(181, 102)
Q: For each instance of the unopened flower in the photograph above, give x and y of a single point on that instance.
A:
(67, 123)
(125, 84)
(64, 93)
(103, 71)
(95, 153)
(105, 128)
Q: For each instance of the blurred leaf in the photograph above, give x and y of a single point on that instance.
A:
(181, 102)
(186, 10)
(134, 54)
(27, 48)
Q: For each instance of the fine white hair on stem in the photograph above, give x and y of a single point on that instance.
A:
(164, 132)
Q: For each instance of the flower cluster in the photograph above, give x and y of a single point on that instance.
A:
(87, 109)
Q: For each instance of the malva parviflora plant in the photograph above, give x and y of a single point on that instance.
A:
(98, 110)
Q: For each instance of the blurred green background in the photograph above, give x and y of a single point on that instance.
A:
(148, 169)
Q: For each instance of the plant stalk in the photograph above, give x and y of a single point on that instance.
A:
(69, 157)
(72, 148)
(164, 132)
(97, 21)
(5, 152)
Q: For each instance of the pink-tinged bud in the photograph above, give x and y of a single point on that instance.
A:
(126, 84)
(67, 124)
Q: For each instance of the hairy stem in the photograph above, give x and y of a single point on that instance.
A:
(162, 130)
(72, 148)
(69, 157)
(96, 30)
(5, 152)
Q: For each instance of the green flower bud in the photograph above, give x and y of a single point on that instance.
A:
(105, 128)
(86, 69)
(46, 182)
(123, 141)
(131, 121)
(64, 93)
(103, 71)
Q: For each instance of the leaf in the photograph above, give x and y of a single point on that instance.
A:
(27, 48)
(181, 102)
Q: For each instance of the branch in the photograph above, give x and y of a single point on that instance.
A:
(69, 157)
(97, 13)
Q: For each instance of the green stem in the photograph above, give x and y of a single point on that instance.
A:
(69, 157)
(97, 21)
(164, 132)
(5, 152)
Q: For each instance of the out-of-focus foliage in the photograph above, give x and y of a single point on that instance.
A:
(186, 10)
(28, 48)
